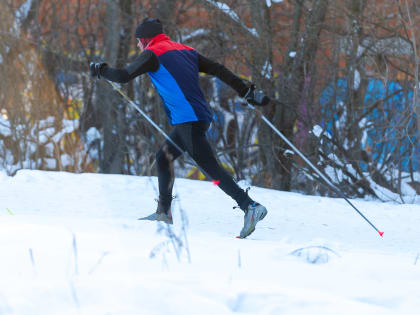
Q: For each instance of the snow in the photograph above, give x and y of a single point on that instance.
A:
(4, 127)
(225, 8)
(317, 130)
(195, 33)
(92, 134)
(69, 126)
(23, 11)
(356, 80)
(270, 2)
(360, 50)
(71, 244)
(287, 151)
(266, 70)
(364, 125)
(21, 14)
(232, 14)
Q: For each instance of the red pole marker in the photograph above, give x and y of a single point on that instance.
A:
(381, 233)
(216, 182)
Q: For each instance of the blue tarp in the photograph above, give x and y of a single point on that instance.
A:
(394, 119)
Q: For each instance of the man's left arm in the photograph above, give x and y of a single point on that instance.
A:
(254, 97)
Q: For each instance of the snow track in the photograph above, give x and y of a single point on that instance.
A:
(71, 244)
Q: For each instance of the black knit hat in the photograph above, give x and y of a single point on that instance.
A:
(149, 28)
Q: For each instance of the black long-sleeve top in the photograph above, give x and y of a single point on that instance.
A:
(148, 62)
(173, 69)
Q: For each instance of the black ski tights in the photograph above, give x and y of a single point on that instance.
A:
(191, 137)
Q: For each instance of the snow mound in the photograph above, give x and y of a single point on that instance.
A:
(315, 254)
(4, 307)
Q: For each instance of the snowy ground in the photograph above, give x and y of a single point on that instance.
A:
(71, 244)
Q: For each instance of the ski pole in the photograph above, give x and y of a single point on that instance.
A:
(336, 189)
(145, 115)
(131, 102)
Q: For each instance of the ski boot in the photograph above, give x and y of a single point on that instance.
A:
(253, 214)
(163, 214)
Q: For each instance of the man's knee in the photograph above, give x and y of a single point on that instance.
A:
(206, 161)
(163, 156)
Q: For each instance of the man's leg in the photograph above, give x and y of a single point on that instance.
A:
(196, 144)
(165, 158)
(193, 136)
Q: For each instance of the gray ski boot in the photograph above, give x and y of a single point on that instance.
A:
(163, 214)
(253, 214)
(159, 216)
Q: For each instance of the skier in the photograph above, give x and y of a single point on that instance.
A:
(173, 69)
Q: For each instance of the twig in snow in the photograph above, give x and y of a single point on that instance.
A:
(98, 262)
(172, 239)
(184, 220)
(76, 269)
(178, 242)
(74, 295)
(31, 257)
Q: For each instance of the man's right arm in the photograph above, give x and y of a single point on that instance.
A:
(146, 62)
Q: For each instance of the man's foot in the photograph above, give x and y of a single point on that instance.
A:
(253, 214)
(158, 216)
(163, 212)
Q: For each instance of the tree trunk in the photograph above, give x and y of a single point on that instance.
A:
(111, 161)
(299, 70)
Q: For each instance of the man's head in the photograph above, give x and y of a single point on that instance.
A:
(146, 30)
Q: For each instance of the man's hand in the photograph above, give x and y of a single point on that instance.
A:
(95, 69)
(256, 97)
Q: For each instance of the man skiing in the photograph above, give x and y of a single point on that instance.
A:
(173, 69)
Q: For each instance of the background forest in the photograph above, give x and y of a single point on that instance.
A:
(344, 75)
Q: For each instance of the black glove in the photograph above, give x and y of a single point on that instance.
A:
(95, 69)
(256, 97)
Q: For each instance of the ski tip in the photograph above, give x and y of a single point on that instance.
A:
(381, 233)
(238, 237)
(216, 182)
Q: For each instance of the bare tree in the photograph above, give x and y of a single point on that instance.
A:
(343, 76)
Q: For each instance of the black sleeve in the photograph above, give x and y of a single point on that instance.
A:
(211, 67)
(146, 62)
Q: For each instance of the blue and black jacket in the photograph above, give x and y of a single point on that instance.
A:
(173, 69)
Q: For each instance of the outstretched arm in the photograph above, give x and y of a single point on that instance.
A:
(253, 96)
(214, 68)
(146, 62)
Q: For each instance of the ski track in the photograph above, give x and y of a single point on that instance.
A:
(71, 244)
